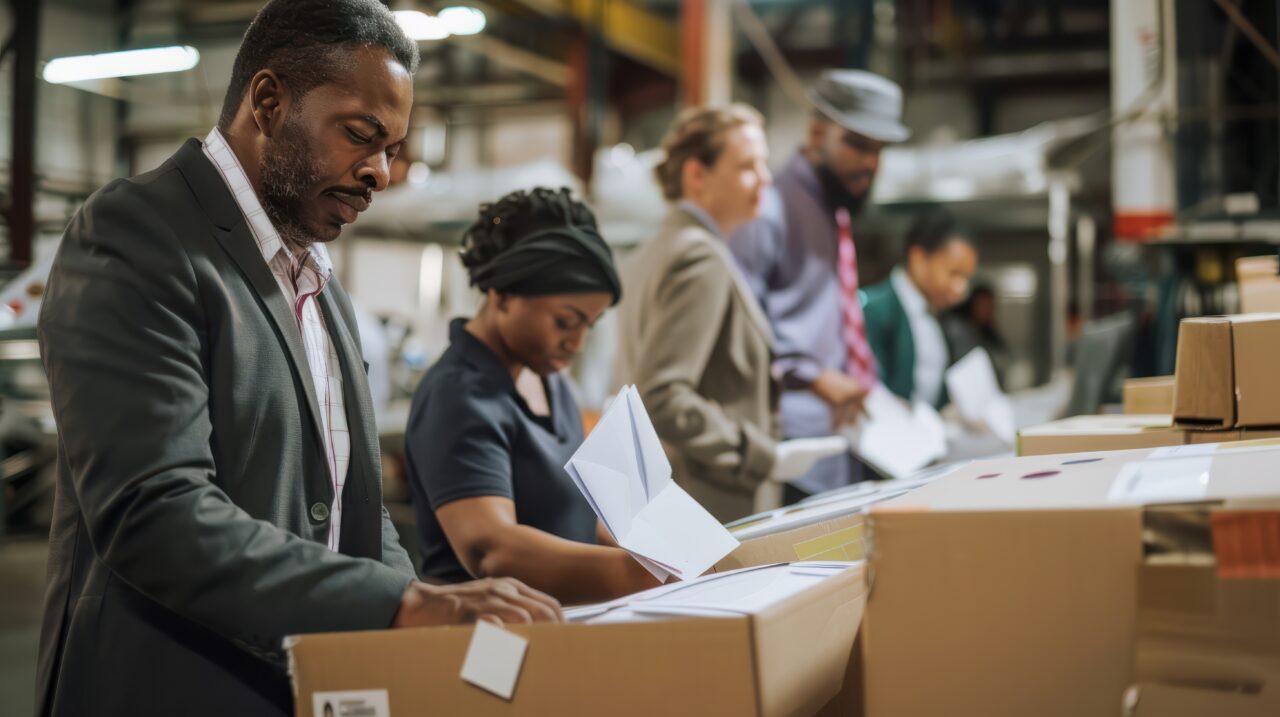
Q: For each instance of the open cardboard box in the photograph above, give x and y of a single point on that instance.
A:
(788, 657)
(1010, 587)
(827, 526)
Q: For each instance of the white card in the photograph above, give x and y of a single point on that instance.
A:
(494, 659)
(360, 703)
(1162, 481)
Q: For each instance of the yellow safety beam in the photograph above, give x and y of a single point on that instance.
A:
(629, 28)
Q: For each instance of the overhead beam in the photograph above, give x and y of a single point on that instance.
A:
(515, 58)
(632, 30)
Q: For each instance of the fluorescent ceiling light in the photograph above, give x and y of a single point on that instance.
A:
(463, 20)
(120, 64)
(421, 26)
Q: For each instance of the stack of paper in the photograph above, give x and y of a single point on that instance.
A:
(740, 592)
(623, 472)
(897, 438)
(973, 389)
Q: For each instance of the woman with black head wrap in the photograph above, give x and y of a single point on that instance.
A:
(494, 422)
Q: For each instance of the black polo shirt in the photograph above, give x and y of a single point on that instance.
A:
(470, 434)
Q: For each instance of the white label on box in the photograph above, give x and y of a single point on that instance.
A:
(1191, 451)
(1166, 481)
(494, 659)
(364, 703)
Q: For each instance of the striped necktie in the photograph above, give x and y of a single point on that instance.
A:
(859, 361)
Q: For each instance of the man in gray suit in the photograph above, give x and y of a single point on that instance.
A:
(218, 482)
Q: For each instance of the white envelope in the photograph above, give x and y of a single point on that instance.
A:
(897, 438)
(973, 388)
(624, 474)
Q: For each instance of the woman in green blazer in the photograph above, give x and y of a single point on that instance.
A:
(901, 311)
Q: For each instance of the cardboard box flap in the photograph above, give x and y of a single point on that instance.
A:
(803, 657)
(1204, 389)
(1256, 344)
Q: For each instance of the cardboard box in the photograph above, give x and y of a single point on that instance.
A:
(1149, 396)
(1099, 433)
(1226, 372)
(1218, 639)
(1010, 587)
(785, 657)
(1209, 612)
(1157, 700)
(1259, 281)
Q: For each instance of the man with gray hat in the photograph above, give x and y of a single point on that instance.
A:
(801, 261)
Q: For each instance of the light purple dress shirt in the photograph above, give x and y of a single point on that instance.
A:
(788, 256)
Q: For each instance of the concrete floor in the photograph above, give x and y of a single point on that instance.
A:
(22, 566)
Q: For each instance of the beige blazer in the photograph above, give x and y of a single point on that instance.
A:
(697, 345)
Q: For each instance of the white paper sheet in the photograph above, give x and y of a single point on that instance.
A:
(895, 437)
(976, 394)
(494, 659)
(623, 471)
(740, 592)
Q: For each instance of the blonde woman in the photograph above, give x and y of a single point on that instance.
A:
(695, 341)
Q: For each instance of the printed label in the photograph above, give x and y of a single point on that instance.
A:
(362, 703)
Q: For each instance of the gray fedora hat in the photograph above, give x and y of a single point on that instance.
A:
(862, 102)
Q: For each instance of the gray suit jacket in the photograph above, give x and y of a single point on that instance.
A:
(698, 347)
(188, 536)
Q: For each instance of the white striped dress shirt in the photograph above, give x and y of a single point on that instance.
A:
(301, 281)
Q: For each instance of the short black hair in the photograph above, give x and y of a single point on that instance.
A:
(933, 228)
(306, 43)
(502, 224)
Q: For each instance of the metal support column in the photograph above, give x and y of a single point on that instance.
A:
(22, 178)
(706, 52)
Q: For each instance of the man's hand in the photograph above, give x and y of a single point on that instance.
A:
(496, 600)
(843, 393)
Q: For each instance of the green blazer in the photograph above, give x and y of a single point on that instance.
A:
(889, 333)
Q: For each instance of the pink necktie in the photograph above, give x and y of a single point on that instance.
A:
(860, 363)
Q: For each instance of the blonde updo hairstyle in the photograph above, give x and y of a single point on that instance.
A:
(698, 133)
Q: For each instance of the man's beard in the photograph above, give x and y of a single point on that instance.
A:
(288, 169)
(837, 192)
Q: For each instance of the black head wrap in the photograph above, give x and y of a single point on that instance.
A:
(568, 259)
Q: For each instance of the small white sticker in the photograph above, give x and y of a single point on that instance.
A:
(1190, 451)
(362, 703)
(1166, 481)
(494, 659)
